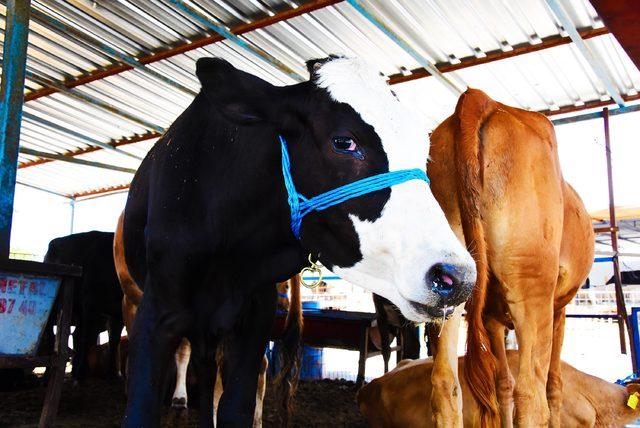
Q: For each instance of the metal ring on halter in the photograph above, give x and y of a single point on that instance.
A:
(316, 270)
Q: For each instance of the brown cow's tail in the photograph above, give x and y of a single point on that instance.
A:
(127, 283)
(132, 294)
(287, 380)
(472, 109)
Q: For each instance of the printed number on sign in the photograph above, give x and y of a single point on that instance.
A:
(6, 305)
(27, 307)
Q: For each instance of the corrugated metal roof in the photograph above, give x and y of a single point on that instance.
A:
(72, 39)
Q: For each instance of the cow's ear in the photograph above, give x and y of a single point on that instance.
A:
(239, 96)
(633, 388)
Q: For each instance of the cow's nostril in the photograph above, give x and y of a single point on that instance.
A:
(442, 279)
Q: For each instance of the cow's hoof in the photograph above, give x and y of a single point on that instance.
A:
(179, 403)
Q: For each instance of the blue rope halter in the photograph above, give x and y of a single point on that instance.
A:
(301, 206)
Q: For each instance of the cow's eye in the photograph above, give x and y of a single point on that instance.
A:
(347, 145)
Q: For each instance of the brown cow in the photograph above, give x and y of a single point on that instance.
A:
(399, 398)
(133, 297)
(495, 172)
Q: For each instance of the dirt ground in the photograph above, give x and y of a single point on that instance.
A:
(101, 403)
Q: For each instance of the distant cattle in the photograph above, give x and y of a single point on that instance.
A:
(400, 399)
(628, 277)
(98, 358)
(495, 171)
(391, 324)
(97, 297)
(223, 207)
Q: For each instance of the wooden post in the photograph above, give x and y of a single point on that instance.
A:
(60, 356)
(623, 318)
(14, 62)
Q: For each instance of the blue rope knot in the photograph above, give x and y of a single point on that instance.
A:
(301, 206)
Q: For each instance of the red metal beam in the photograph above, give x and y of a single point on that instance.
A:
(186, 47)
(547, 42)
(521, 49)
(100, 191)
(622, 17)
(84, 151)
(567, 109)
(588, 105)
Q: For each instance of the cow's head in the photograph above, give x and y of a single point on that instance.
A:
(343, 125)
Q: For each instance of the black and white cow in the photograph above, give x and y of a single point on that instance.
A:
(209, 201)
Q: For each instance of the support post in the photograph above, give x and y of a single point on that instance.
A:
(14, 61)
(623, 318)
(72, 204)
(60, 355)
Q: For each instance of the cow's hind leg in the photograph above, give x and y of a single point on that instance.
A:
(243, 353)
(115, 331)
(206, 367)
(262, 389)
(554, 380)
(533, 318)
(182, 356)
(504, 379)
(154, 339)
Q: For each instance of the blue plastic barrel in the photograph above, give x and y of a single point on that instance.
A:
(311, 364)
(311, 305)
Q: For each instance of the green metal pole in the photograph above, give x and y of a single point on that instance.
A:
(12, 96)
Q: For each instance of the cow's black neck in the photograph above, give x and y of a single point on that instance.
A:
(222, 187)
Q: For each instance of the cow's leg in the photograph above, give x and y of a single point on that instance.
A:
(504, 379)
(206, 367)
(262, 388)
(182, 355)
(432, 333)
(129, 310)
(446, 395)
(217, 393)
(86, 333)
(115, 331)
(243, 355)
(554, 380)
(153, 342)
(533, 319)
(410, 342)
(383, 328)
(385, 345)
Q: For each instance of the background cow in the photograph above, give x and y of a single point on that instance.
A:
(400, 398)
(495, 172)
(97, 295)
(391, 324)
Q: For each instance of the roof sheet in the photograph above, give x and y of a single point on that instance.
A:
(72, 39)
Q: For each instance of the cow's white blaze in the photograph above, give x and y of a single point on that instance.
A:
(412, 234)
